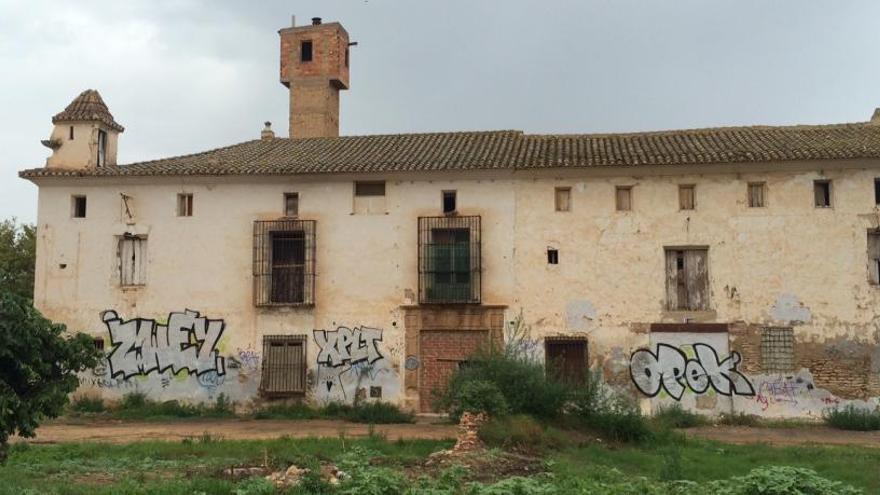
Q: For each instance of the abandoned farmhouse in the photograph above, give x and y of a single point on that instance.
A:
(728, 269)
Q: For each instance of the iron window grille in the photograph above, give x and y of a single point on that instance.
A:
(284, 263)
(449, 260)
(284, 366)
(777, 349)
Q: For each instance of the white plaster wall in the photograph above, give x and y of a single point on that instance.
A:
(788, 260)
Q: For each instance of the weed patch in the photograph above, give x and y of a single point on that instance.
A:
(853, 418)
(676, 416)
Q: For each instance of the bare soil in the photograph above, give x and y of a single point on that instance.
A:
(431, 428)
(800, 435)
(117, 431)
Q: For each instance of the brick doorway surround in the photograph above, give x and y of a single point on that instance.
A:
(438, 338)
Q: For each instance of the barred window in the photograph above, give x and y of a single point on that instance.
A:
(284, 365)
(777, 349)
(449, 259)
(284, 262)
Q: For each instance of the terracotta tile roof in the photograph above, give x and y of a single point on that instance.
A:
(509, 150)
(88, 106)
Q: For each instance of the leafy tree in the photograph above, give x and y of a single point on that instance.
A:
(17, 257)
(38, 366)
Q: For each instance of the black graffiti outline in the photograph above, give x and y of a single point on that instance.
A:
(690, 375)
(192, 341)
(361, 344)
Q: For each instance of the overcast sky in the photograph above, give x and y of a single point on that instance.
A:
(185, 76)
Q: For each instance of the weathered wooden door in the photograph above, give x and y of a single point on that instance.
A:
(566, 359)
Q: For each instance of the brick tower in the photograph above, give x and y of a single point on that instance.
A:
(314, 65)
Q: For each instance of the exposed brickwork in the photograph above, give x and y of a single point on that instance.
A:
(315, 84)
(442, 351)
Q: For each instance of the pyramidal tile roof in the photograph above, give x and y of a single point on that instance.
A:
(88, 107)
(508, 150)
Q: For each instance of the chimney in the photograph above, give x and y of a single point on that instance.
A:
(314, 66)
(267, 133)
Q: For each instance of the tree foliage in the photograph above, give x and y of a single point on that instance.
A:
(17, 257)
(38, 366)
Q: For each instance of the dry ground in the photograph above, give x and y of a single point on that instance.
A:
(116, 431)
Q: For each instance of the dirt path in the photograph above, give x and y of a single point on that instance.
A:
(114, 431)
(786, 436)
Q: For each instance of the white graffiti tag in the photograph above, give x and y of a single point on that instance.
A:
(142, 346)
(344, 346)
(671, 370)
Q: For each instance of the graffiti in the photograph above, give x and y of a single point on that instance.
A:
(248, 359)
(781, 390)
(142, 346)
(671, 370)
(345, 347)
(211, 381)
(348, 359)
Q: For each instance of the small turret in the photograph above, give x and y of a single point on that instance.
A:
(85, 134)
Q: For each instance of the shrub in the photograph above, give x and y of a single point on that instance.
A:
(853, 418)
(286, 411)
(477, 396)
(780, 480)
(378, 413)
(520, 381)
(87, 404)
(620, 424)
(738, 419)
(136, 405)
(675, 416)
(522, 433)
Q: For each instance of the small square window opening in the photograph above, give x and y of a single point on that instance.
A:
(562, 199)
(822, 193)
(552, 256)
(687, 198)
(291, 205)
(449, 205)
(623, 198)
(756, 194)
(78, 206)
(185, 205)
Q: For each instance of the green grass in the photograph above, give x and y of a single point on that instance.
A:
(175, 467)
(702, 460)
(192, 465)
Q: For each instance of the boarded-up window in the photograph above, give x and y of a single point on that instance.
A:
(687, 199)
(822, 193)
(369, 197)
(566, 359)
(874, 256)
(562, 199)
(623, 198)
(291, 205)
(756, 194)
(131, 256)
(687, 279)
(184, 205)
(284, 365)
(284, 262)
(777, 349)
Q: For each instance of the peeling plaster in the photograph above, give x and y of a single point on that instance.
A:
(579, 314)
(789, 309)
